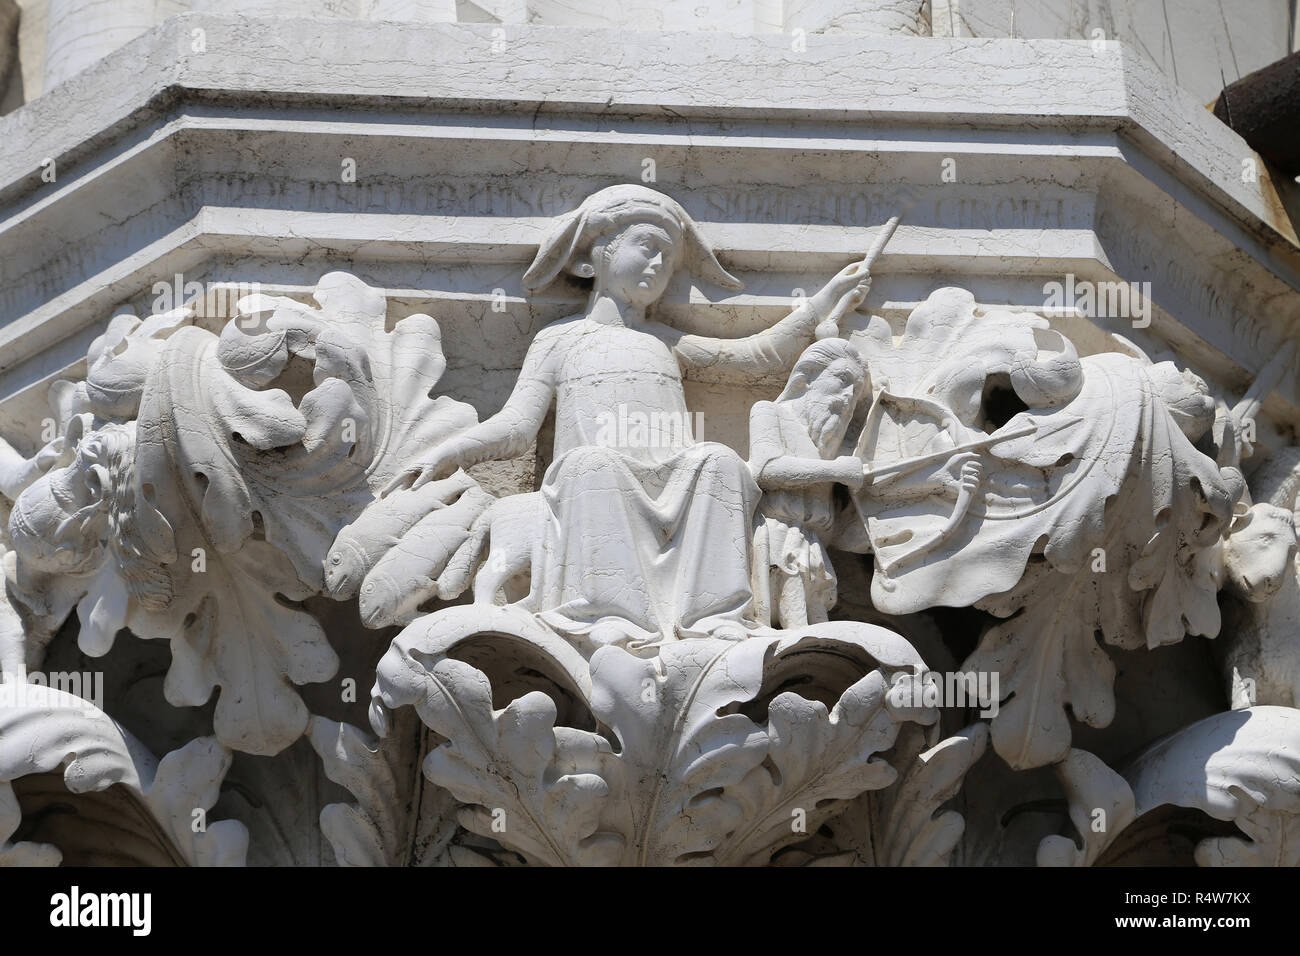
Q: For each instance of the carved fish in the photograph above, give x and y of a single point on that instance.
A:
(360, 545)
(405, 577)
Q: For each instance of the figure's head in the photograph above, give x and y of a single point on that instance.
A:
(827, 382)
(635, 263)
(628, 239)
(1258, 551)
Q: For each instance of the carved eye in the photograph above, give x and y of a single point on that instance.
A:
(369, 588)
(336, 558)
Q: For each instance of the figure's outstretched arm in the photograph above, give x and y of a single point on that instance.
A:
(791, 472)
(507, 434)
(774, 470)
(775, 349)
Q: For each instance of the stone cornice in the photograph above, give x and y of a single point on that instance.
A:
(960, 81)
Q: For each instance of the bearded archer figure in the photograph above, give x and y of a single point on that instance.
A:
(646, 537)
(795, 454)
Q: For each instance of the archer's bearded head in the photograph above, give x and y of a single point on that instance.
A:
(827, 382)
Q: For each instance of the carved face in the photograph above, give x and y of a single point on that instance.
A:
(1258, 552)
(56, 525)
(828, 403)
(638, 262)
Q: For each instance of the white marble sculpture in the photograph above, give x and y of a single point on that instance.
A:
(795, 455)
(649, 657)
(645, 531)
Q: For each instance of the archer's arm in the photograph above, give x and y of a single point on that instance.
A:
(774, 470)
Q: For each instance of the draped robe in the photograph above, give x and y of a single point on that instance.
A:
(644, 527)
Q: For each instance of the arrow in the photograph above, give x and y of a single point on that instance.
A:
(907, 464)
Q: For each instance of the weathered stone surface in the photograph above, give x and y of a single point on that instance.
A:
(498, 443)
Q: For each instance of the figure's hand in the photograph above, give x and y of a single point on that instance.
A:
(850, 471)
(434, 466)
(855, 296)
(845, 291)
(971, 472)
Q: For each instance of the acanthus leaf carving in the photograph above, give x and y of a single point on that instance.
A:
(821, 758)
(523, 781)
(1100, 805)
(1093, 513)
(914, 832)
(54, 730)
(692, 760)
(537, 784)
(375, 830)
(256, 487)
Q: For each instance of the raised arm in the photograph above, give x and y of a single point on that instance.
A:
(507, 434)
(775, 349)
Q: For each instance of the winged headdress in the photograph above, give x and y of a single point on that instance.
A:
(567, 248)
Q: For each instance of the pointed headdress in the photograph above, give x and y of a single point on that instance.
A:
(568, 246)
